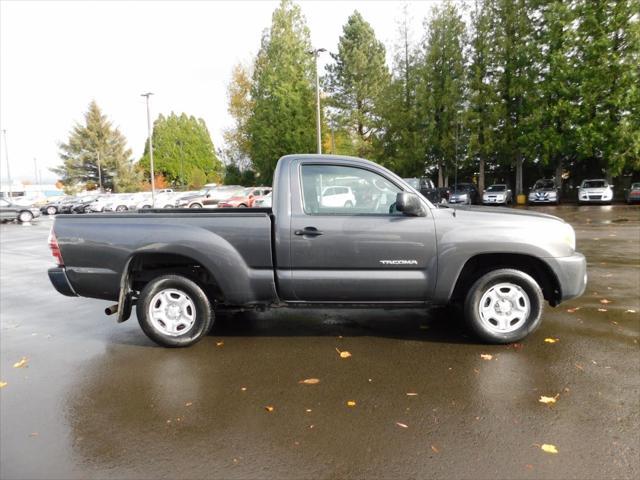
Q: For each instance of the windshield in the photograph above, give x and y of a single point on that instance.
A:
(462, 188)
(497, 188)
(544, 184)
(413, 182)
(594, 184)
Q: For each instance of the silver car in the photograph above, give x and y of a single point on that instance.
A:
(595, 191)
(497, 194)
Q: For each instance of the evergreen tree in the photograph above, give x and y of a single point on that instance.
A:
(481, 112)
(442, 92)
(402, 144)
(608, 57)
(181, 144)
(357, 80)
(282, 93)
(92, 144)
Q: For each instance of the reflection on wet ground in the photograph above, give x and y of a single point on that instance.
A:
(99, 400)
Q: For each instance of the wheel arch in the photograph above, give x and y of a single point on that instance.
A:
(480, 264)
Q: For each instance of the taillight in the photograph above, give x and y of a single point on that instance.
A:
(55, 248)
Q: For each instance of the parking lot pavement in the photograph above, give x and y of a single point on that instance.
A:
(92, 399)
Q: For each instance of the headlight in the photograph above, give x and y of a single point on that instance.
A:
(569, 236)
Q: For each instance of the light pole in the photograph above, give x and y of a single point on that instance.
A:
(316, 53)
(153, 180)
(6, 151)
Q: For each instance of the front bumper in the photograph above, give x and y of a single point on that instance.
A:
(543, 200)
(59, 280)
(571, 273)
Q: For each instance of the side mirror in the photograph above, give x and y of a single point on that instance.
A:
(208, 195)
(409, 204)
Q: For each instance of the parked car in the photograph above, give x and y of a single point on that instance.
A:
(67, 205)
(208, 197)
(426, 187)
(264, 201)
(338, 196)
(244, 198)
(99, 203)
(497, 194)
(10, 211)
(595, 191)
(465, 193)
(83, 204)
(544, 191)
(53, 206)
(179, 268)
(633, 194)
(165, 199)
(119, 203)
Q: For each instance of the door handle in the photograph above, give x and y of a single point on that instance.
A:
(308, 231)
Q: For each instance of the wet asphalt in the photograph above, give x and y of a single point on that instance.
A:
(98, 400)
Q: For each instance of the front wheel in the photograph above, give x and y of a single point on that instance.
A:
(52, 210)
(174, 311)
(504, 306)
(195, 205)
(25, 216)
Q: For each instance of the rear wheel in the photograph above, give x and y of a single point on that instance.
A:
(174, 311)
(504, 306)
(52, 210)
(121, 208)
(195, 205)
(348, 204)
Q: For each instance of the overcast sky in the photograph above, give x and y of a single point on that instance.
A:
(55, 57)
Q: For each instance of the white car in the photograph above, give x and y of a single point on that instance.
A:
(497, 194)
(99, 203)
(164, 199)
(595, 191)
(338, 196)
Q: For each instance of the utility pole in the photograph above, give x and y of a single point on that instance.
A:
(153, 179)
(35, 172)
(181, 165)
(316, 53)
(6, 151)
(99, 171)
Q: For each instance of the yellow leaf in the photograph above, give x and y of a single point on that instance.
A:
(602, 309)
(546, 447)
(573, 310)
(604, 301)
(269, 408)
(343, 354)
(412, 394)
(219, 344)
(486, 356)
(402, 425)
(435, 449)
(351, 403)
(310, 381)
(547, 400)
(188, 404)
(22, 363)
(244, 389)
(630, 311)
(3, 384)
(550, 340)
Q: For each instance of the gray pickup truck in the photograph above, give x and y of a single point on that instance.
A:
(342, 232)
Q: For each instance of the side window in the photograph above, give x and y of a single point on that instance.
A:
(338, 190)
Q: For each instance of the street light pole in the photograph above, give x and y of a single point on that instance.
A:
(316, 53)
(6, 151)
(153, 180)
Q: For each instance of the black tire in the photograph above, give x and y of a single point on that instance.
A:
(242, 205)
(195, 205)
(506, 275)
(51, 210)
(348, 204)
(121, 208)
(204, 316)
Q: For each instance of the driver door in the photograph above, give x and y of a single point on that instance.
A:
(349, 244)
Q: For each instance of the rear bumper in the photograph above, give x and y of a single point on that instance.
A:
(59, 280)
(572, 275)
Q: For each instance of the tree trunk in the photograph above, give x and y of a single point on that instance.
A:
(558, 178)
(519, 163)
(440, 179)
(481, 175)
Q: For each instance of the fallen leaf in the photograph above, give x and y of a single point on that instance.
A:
(188, 404)
(412, 394)
(548, 400)
(546, 447)
(435, 449)
(343, 354)
(604, 301)
(573, 310)
(550, 340)
(486, 356)
(308, 410)
(351, 403)
(3, 384)
(34, 434)
(244, 389)
(402, 425)
(602, 309)
(310, 381)
(630, 311)
(269, 408)
(219, 344)
(22, 363)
